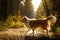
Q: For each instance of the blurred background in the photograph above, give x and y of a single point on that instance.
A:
(12, 11)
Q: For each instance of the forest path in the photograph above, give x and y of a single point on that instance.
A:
(12, 34)
(19, 34)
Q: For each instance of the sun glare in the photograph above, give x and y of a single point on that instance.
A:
(36, 4)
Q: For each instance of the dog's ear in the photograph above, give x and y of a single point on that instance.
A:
(26, 17)
(23, 17)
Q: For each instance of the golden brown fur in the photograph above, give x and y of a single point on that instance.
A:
(42, 23)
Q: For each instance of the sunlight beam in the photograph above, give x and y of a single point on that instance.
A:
(36, 4)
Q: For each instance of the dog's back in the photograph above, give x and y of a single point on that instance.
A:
(38, 23)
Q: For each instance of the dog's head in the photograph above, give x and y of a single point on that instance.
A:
(24, 19)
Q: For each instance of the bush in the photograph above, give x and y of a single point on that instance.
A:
(12, 22)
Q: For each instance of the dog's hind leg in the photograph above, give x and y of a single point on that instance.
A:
(47, 34)
(43, 31)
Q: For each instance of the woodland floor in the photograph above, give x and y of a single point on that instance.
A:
(19, 34)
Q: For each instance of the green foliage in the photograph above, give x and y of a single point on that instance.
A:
(58, 29)
(53, 29)
(12, 22)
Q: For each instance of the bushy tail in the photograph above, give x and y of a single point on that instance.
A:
(52, 19)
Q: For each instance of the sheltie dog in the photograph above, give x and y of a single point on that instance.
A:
(44, 24)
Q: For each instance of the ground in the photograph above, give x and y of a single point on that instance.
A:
(12, 34)
(19, 34)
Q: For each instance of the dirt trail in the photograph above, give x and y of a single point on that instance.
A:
(19, 34)
(13, 34)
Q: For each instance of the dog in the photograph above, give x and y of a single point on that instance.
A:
(44, 24)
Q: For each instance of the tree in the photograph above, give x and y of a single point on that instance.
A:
(8, 7)
(28, 9)
(3, 9)
(56, 10)
(40, 11)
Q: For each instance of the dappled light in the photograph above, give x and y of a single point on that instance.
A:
(29, 19)
(36, 4)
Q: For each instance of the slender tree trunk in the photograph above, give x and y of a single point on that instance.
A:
(46, 7)
(4, 10)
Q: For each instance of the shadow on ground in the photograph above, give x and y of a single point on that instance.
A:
(19, 34)
(40, 38)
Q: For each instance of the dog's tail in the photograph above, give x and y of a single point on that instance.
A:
(52, 19)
